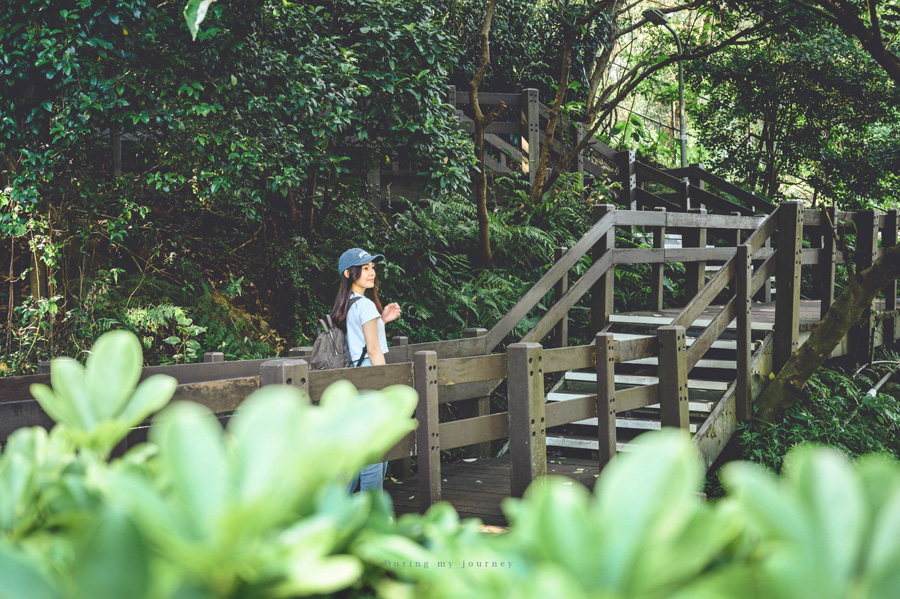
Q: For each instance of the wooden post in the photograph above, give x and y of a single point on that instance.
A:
(657, 277)
(694, 272)
(628, 178)
(400, 343)
(888, 240)
(673, 377)
(825, 268)
(743, 274)
(602, 301)
(373, 187)
(451, 96)
(527, 430)
(733, 237)
(737, 233)
(787, 281)
(531, 133)
(866, 250)
(478, 406)
(696, 177)
(285, 371)
(561, 331)
(428, 442)
(44, 367)
(213, 356)
(606, 397)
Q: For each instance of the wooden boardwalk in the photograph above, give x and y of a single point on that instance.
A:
(477, 488)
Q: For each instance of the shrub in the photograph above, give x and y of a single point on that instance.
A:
(260, 509)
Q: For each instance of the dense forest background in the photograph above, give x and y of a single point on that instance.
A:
(199, 192)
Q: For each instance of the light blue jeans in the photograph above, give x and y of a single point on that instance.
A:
(369, 478)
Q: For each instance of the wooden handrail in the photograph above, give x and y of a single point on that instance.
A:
(598, 146)
(753, 201)
(702, 300)
(647, 198)
(569, 299)
(718, 202)
(546, 283)
(647, 172)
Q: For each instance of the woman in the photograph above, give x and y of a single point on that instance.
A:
(363, 321)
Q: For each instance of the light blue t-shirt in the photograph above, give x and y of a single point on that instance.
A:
(361, 312)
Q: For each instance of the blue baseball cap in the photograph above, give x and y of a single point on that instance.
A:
(356, 257)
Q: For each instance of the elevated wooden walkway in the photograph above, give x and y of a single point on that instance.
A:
(699, 367)
(477, 488)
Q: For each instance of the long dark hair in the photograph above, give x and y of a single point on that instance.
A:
(342, 300)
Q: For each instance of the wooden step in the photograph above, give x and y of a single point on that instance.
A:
(665, 320)
(591, 377)
(701, 406)
(578, 442)
(721, 364)
(718, 344)
(640, 424)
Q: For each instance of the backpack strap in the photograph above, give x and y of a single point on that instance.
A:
(362, 356)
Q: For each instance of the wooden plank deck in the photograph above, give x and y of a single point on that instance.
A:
(476, 489)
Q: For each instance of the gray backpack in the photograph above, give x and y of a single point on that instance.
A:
(330, 347)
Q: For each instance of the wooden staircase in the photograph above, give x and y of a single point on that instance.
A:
(707, 383)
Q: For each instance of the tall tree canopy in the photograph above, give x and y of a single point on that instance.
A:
(808, 108)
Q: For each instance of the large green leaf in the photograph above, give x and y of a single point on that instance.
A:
(194, 13)
(266, 458)
(112, 371)
(151, 395)
(192, 451)
(20, 578)
(652, 493)
(114, 561)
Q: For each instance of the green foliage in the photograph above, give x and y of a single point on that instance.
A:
(526, 43)
(826, 526)
(233, 144)
(99, 402)
(836, 411)
(807, 114)
(194, 13)
(257, 510)
(176, 324)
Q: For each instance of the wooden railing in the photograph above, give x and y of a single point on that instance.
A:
(463, 370)
(517, 136)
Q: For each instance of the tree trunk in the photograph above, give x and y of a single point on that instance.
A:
(844, 313)
(485, 259)
(540, 177)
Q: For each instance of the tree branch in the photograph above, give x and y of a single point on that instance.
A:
(601, 111)
(844, 313)
(853, 26)
(475, 83)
